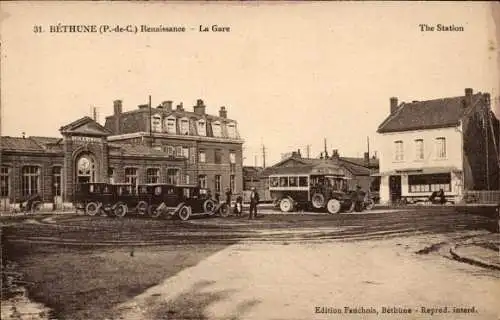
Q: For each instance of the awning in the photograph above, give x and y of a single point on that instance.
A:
(415, 171)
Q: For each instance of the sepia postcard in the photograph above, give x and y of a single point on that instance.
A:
(249, 160)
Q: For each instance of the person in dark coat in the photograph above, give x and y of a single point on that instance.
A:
(254, 201)
(228, 196)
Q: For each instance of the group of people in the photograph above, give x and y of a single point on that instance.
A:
(238, 205)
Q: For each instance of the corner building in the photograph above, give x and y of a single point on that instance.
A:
(145, 145)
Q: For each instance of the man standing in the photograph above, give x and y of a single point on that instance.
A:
(254, 200)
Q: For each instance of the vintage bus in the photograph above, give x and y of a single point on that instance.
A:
(305, 190)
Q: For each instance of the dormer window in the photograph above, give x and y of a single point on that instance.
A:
(216, 129)
(170, 124)
(156, 123)
(202, 127)
(184, 126)
(231, 130)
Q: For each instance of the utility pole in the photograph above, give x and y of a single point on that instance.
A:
(326, 151)
(263, 156)
(368, 145)
(308, 148)
(255, 161)
(95, 113)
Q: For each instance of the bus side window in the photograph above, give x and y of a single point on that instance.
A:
(292, 181)
(274, 181)
(284, 182)
(302, 181)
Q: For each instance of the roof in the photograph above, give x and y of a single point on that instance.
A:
(20, 144)
(87, 126)
(176, 113)
(374, 162)
(437, 113)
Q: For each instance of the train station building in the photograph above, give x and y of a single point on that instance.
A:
(144, 145)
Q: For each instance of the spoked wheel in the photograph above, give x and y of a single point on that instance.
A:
(120, 210)
(184, 213)
(286, 205)
(154, 212)
(224, 210)
(142, 207)
(333, 206)
(92, 209)
(318, 200)
(209, 207)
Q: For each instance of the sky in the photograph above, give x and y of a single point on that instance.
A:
(291, 74)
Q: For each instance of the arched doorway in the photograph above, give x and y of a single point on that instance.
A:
(85, 169)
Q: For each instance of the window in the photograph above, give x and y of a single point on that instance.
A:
(274, 181)
(184, 126)
(232, 184)
(232, 157)
(217, 183)
(187, 179)
(202, 181)
(398, 151)
(178, 151)
(419, 149)
(192, 155)
(202, 156)
(56, 181)
(173, 176)
(216, 129)
(152, 175)
(429, 182)
(170, 151)
(4, 182)
(293, 181)
(303, 182)
(131, 177)
(156, 123)
(111, 175)
(85, 169)
(231, 130)
(185, 152)
(441, 148)
(202, 128)
(31, 180)
(283, 181)
(170, 125)
(218, 156)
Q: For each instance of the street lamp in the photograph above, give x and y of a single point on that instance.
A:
(56, 185)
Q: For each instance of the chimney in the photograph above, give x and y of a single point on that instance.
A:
(335, 154)
(367, 158)
(394, 104)
(117, 106)
(299, 154)
(223, 112)
(468, 97)
(180, 107)
(199, 108)
(166, 105)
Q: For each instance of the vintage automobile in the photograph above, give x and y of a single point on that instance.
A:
(182, 201)
(95, 198)
(315, 190)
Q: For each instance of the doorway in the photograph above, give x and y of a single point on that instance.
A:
(395, 188)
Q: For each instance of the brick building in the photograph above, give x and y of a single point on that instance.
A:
(145, 145)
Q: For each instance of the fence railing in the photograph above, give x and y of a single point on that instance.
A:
(482, 196)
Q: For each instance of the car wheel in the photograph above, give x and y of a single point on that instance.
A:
(92, 209)
(184, 213)
(333, 206)
(120, 210)
(318, 200)
(286, 205)
(154, 212)
(209, 207)
(142, 207)
(224, 210)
